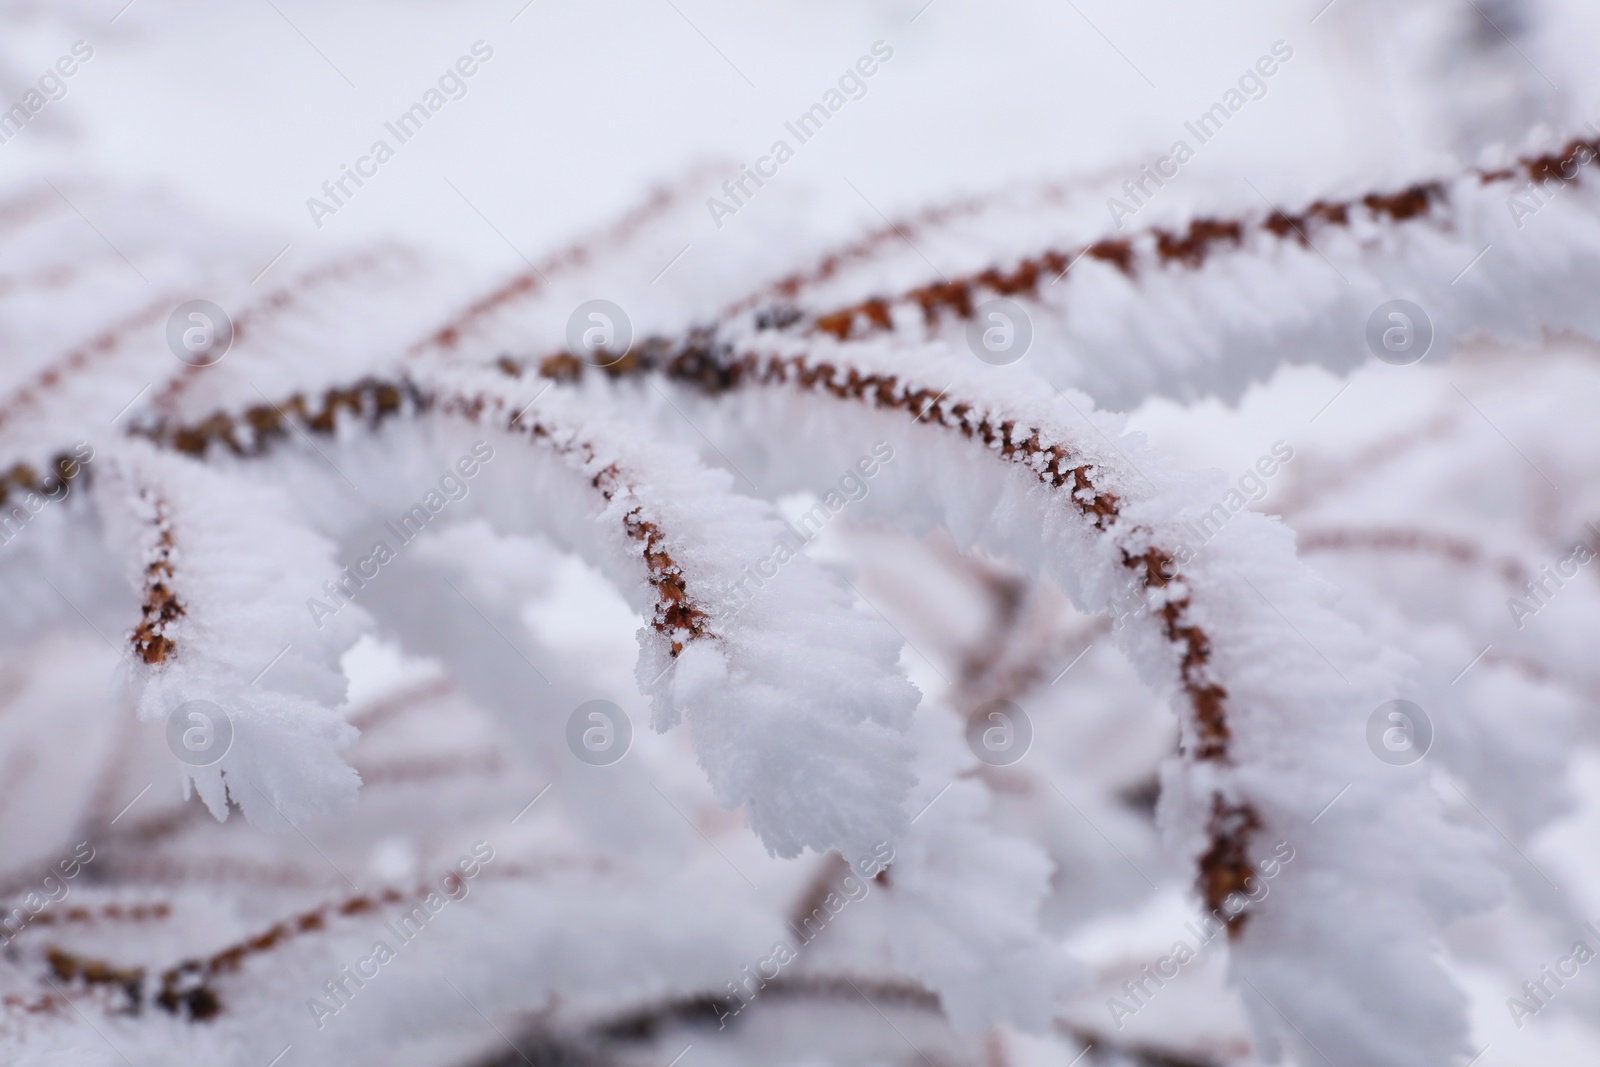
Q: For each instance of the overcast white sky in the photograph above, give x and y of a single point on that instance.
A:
(249, 106)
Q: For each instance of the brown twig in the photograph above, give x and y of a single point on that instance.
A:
(1187, 249)
(1224, 868)
(80, 359)
(160, 607)
(274, 304)
(1409, 539)
(705, 1010)
(678, 617)
(534, 280)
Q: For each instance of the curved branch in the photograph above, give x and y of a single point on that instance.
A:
(1208, 304)
(531, 283)
(1457, 550)
(1206, 621)
(159, 608)
(1079, 481)
(264, 312)
(1192, 247)
(647, 1023)
(81, 359)
(731, 661)
(279, 741)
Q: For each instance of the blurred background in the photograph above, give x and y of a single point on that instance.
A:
(248, 108)
(244, 110)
